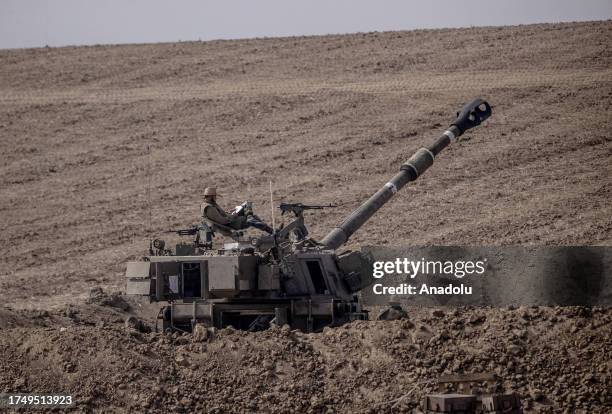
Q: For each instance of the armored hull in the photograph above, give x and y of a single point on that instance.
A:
(307, 289)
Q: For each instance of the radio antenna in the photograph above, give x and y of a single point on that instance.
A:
(272, 206)
(149, 218)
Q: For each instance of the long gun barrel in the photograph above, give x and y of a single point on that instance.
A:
(298, 208)
(470, 116)
(191, 231)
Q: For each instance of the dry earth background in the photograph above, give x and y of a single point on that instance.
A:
(86, 131)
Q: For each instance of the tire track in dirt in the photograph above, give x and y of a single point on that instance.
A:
(389, 85)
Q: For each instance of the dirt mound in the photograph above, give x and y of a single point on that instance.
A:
(554, 358)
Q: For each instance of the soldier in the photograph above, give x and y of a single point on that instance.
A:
(215, 215)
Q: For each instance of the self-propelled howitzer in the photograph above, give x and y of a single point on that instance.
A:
(283, 278)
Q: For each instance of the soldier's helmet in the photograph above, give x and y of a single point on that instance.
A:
(210, 192)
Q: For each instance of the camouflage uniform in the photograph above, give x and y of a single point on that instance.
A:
(212, 212)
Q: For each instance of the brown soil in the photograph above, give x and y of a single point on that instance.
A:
(86, 131)
(554, 358)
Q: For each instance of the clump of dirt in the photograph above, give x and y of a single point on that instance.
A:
(115, 299)
(10, 318)
(554, 358)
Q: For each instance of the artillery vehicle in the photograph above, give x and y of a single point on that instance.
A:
(284, 278)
